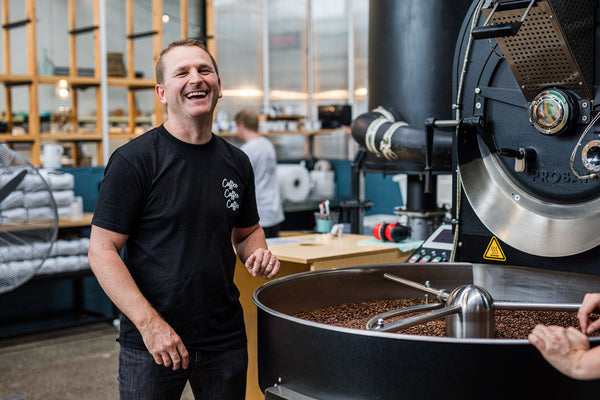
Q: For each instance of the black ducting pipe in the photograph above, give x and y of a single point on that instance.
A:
(384, 133)
(411, 52)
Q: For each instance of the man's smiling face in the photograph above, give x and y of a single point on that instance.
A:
(191, 85)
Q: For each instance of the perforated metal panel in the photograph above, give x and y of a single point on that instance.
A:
(542, 53)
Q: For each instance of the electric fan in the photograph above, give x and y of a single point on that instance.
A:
(28, 220)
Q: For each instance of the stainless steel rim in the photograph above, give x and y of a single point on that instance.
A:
(523, 221)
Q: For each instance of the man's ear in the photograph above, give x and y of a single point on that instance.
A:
(160, 93)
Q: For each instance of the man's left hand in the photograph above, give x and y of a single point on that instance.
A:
(263, 263)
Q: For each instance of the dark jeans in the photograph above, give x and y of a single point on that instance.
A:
(212, 375)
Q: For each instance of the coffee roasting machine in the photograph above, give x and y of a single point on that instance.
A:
(507, 103)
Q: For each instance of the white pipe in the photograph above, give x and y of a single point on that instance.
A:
(309, 61)
(350, 11)
(104, 83)
(265, 55)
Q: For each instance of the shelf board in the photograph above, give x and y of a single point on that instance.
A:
(285, 118)
(123, 135)
(131, 83)
(117, 120)
(7, 137)
(75, 81)
(10, 79)
(71, 222)
(345, 131)
(304, 133)
(77, 137)
(64, 222)
(84, 81)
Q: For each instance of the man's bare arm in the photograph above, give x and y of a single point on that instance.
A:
(161, 340)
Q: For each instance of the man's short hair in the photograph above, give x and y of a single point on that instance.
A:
(248, 118)
(159, 69)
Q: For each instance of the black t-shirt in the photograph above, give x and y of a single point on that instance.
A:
(178, 203)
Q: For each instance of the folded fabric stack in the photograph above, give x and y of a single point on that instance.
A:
(61, 185)
(32, 200)
(64, 256)
(31, 204)
(67, 256)
(16, 271)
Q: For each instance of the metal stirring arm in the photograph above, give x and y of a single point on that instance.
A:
(513, 305)
(419, 319)
(374, 322)
(442, 295)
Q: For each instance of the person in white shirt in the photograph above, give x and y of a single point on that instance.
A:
(264, 163)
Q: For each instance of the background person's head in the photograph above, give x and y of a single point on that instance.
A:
(246, 120)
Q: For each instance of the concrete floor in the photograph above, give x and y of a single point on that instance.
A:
(74, 364)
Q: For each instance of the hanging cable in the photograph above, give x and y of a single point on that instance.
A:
(476, 15)
(455, 239)
(494, 48)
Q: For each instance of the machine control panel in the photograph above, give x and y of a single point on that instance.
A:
(436, 248)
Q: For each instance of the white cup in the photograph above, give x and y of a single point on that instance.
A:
(52, 155)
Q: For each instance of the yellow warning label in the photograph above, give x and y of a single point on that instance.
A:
(494, 251)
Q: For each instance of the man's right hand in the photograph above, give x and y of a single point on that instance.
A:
(164, 344)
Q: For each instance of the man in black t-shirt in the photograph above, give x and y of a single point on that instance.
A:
(171, 204)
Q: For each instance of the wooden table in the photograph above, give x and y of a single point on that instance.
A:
(301, 254)
(320, 251)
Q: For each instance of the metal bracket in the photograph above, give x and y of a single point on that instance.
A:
(430, 124)
(499, 30)
(482, 130)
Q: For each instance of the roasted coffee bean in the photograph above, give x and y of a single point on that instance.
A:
(510, 324)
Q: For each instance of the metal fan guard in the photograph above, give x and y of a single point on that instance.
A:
(28, 228)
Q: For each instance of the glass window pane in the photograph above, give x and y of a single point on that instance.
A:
(361, 56)
(238, 35)
(239, 54)
(330, 32)
(171, 22)
(287, 56)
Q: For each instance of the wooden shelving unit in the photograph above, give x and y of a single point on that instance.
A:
(33, 136)
(9, 81)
